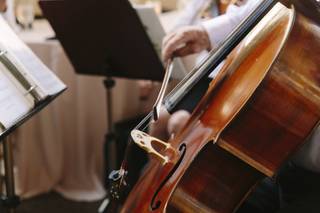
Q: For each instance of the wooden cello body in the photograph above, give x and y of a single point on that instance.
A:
(250, 121)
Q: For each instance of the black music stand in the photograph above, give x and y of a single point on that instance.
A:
(104, 37)
(10, 200)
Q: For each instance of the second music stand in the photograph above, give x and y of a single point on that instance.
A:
(104, 38)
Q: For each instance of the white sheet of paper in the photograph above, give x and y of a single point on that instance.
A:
(42, 75)
(13, 104)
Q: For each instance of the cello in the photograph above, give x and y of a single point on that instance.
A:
(258, 110)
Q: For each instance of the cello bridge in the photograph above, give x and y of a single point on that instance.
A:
(146, 142)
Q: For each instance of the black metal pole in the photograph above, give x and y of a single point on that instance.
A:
(110, 145)
(110, 141)
(10, 200)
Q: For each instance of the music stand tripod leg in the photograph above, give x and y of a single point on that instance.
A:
(110, 146)
(10, 200)
(110, 142)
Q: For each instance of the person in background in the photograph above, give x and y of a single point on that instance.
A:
(3, 6)
(196, 10)
(298, 182)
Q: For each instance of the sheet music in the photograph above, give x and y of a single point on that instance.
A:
(42, 75)
(13, 104)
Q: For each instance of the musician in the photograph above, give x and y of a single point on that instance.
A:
(299, 180)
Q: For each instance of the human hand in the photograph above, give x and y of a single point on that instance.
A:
(186, 40)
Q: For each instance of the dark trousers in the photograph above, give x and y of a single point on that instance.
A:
(299, 190)
(294, 190)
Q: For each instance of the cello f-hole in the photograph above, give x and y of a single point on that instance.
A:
(156, 204)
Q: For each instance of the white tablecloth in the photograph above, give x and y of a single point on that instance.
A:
(61, 147)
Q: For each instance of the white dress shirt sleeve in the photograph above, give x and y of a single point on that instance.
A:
(218, 28)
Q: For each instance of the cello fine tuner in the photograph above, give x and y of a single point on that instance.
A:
(146, 142)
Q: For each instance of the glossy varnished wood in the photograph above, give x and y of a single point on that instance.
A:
(285, 108)
(215, 170)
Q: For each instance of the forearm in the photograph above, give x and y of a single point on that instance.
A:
(220, 27)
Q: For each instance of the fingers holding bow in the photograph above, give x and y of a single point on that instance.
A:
(186, 40)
